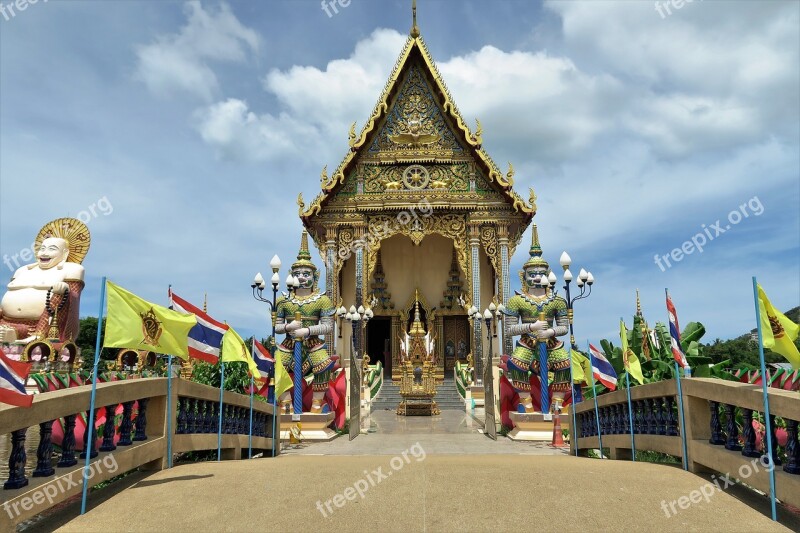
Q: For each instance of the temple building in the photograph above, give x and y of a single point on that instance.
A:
(417, 207)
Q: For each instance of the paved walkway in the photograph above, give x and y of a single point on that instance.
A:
(417, 474)
(425, 493)
(452, 432)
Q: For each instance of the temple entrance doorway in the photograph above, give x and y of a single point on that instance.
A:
(379, 345)
(456, 341)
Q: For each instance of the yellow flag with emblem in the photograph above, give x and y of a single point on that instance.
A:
(777, 331)
(140, 325)
(235, 349)
(581, 367)
(282, 380)
(629, 358)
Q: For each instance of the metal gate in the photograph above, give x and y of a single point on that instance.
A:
(355, 397)
(489, 428)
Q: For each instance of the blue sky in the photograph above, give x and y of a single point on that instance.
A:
(196, 124)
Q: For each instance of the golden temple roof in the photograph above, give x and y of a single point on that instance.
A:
(414, 50)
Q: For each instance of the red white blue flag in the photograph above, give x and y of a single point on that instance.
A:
(675, 335)
(13, 375)
(266, 365)
(205, 338)
(602, 369)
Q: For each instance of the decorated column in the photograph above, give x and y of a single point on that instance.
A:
(477, 346)
(505, 286)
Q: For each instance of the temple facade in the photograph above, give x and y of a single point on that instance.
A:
(416, 207)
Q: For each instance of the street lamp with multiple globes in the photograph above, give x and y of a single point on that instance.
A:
(354, 316)
(584, 283)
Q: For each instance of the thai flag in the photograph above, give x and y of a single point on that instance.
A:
(205, 338)
(266, 365)
(602, 369)
(675, 335)
(13, 375)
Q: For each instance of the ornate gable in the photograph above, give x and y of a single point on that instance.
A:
(415, 141)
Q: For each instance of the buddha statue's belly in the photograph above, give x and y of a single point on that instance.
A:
(24, 304)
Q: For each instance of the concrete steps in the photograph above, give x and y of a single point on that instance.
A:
(447, 397)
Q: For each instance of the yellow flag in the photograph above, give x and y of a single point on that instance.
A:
(629, 358)
(282, 380)
(140, 325)
(580, 367)
(778, 332)
(234, 349)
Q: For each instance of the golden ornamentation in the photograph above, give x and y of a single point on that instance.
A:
(477, 137)
(532, 200)
(416, 177)
(151, 327)
(71, 230)
(351, 137)
(300, 204)
(490, 246)
(510, 175)
(323, 177)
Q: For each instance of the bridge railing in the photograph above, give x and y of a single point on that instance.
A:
(135, 439)
(712, 408)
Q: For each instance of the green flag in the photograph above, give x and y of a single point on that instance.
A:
(140, 325)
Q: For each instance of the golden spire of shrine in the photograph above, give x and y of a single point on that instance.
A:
(638, 304)
(416, 326)
(414, 27)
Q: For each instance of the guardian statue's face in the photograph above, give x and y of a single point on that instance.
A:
(52, 252)
(306, 277)
(534, 277)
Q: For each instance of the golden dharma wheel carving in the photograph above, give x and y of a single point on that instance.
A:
(416, 177)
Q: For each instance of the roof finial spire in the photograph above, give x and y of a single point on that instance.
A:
(414, 27)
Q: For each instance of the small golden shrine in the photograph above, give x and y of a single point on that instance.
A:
(417, 366)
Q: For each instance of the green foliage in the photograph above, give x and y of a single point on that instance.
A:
(87, 339)
(656, 457)
(237, 378)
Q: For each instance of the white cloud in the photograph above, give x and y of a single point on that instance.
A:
(178, 63)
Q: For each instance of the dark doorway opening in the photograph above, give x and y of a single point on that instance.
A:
(379, 345)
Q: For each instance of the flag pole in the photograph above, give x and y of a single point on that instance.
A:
(680, 405)
(169, 397)
(596, 410)
(574, 427)
(630, 414)
(764, 385)
(169, 411)
(275, 413)
(221, 389)
(252, 384)
(90, 426)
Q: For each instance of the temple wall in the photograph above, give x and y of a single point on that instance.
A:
(408, 267)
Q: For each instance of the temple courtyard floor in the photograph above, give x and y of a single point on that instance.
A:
(418, 474)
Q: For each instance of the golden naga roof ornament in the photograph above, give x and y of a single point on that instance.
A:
(510, 175)
(477, 137)
(351, 137)
(301, 204)
(414, 27)
(532, 199)
(323, 177)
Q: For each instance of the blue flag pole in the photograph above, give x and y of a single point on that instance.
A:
(250, 435)
(764, 385)
(90, 426)
(221, 389)
(680, 400)
(574, 427)
(596, 410)
(275, 413)
(682, 418)
(169, 411)
(630, 414)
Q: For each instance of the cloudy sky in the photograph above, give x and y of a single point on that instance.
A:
(192, 126)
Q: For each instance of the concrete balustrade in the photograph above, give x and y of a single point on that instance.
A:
(142, 445)
(712, 446)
